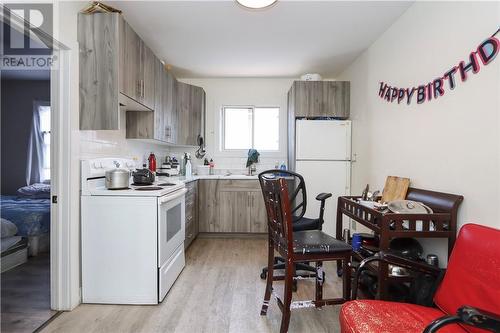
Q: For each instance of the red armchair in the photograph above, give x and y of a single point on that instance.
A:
(467, 300)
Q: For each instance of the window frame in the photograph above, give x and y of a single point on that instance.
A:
(222, 144)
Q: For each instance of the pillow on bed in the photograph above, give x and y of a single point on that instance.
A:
(8, 229)
(37, 190)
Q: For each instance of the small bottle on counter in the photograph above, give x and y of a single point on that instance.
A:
(211, 167)
(189, 169)
(152, 162)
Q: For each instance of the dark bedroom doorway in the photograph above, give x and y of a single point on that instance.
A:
(25, 188)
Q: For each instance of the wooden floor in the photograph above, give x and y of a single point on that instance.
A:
(26, 296)
(219, 291)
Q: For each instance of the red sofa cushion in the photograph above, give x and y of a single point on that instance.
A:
(473, 273)
(389, 317)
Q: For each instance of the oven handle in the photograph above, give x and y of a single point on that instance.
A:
(171, 197)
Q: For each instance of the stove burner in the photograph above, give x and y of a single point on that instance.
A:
(134, 184)
(166, 184)
(151, 188)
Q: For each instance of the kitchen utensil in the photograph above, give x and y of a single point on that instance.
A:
(346, 235)
(200, 152)
(143, 177)
(364, 195)
(408, 207)
(407, 247)
(397, 271)
(117, 179)
(395, 188)
(432, 259)
(356, 241)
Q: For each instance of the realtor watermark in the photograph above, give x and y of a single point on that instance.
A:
(27, 37)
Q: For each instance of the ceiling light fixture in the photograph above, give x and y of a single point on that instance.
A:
(256, 4)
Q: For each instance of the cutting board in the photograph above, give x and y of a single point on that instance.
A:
(395, 188)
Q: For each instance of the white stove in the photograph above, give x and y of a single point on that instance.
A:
(93, 180)
(132, 239)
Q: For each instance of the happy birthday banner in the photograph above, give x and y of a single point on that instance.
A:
(486, 52)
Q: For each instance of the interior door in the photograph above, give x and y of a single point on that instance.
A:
(325, 176)
(328, 140)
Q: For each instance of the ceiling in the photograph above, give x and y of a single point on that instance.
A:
(221, 39)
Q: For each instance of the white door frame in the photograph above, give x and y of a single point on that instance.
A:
(64, 242)
(64, 234)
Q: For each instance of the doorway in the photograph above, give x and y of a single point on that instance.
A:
(31, 156)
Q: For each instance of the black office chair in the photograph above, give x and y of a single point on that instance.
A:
(300, 223)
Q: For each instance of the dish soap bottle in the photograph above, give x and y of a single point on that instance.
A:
(189, 169)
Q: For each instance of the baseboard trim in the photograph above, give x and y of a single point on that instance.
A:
(232, 235)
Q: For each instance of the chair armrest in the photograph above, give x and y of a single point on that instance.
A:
(393, 259)
(323, 196)
(470, 316)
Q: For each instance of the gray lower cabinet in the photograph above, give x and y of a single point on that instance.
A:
(192, 224)
(191, 113)
(116, 69)
(227, 206)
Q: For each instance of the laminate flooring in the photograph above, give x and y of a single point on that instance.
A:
(219, 290)
(25, 296)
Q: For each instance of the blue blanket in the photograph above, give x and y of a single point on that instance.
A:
(31, 216)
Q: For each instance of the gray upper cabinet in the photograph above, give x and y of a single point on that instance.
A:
(320, 99)
(99, 71)
(160, 124)
(116, 69)
(147, 75)
(191, 113)
(139, 68)
(131, 53)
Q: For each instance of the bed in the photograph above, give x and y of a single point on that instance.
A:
(31, 215)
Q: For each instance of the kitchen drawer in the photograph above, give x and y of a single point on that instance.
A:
(190, 199)
(189, 219)
(237, 185)
(190, 233)
(169, 272)
(191, 208)
(191, 186)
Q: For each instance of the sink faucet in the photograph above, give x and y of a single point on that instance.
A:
(251, 169)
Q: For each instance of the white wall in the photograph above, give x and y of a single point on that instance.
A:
(242, 91)
(450, 144)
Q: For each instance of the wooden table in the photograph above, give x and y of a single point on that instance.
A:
(440, 224)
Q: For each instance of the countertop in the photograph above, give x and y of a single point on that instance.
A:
(227, 177)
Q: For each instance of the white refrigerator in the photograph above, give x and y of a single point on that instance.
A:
(323, 158)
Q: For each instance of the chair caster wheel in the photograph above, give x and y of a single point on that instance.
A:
(263, 275)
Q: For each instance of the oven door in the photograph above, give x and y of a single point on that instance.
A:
(171, 224)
